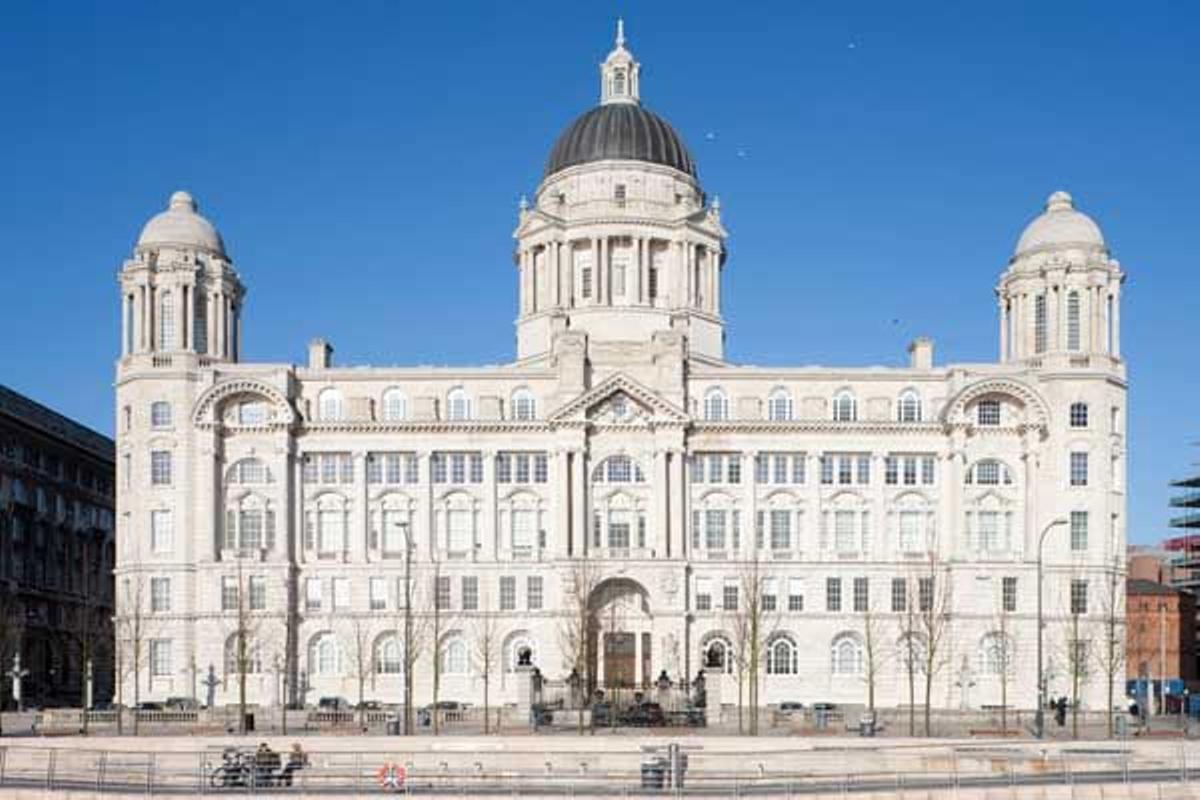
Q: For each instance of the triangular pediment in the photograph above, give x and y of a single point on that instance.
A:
(620, 400)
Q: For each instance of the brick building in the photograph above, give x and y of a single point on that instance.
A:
(1161, 633)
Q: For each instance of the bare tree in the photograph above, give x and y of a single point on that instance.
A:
(933, 621)
(414, 628)
(910, 651)
(873, 649)
(132, 626)
(1002, 659)
(753, 622)
(362, 657)
(244, 639)
(1111, 655)
(486, 645)
(1077, 655)
(440, 619)
(577, 624)
(91, 631)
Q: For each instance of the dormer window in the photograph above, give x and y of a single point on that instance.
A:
(619, 193)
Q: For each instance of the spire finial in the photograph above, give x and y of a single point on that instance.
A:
(620, 32)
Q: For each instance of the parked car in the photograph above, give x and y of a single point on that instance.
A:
(824, 706)
(370, 705)
(181, 704)
(148, 705)
(602, 715)
(644, 715)
(103, 705)
(791, 707)
(333, 704)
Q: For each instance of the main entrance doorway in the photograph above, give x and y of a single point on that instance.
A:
(620, 636)
(620, 659)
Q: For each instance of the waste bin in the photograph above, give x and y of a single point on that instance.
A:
(249, 722)
(424, 718)
(866, 725)
(654, 772)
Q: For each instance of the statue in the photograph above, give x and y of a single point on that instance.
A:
(210, 683)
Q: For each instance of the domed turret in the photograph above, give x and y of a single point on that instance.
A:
(181, 226)
(1060, 226)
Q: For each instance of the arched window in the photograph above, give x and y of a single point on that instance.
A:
(200, 323)
(845, 409)
(995, 654)
(908, 407)
(910, 652)
(847, 655)
(395, 405)
(1079, 415)
(782, 656)
(524, 407)
(249, 472)
(239, 661)
(166, 321)
(619, 83)
(618, 469)
(716, 405)
(454, 657)
(388, 656)
(1073, 320)
(719, 655)
(458, 404)
(325, 656)
(329, 405)
(779, 405)
(989, 472)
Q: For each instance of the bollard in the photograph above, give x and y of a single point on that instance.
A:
(50, 770)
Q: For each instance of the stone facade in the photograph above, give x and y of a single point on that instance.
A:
(620, 437)
(56, 555)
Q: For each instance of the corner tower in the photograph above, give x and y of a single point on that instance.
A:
(1060, 297)
(620, 242)
(179, 291)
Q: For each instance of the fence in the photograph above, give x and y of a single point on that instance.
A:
(626, 772)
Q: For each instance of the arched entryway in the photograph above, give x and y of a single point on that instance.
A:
(621, 636)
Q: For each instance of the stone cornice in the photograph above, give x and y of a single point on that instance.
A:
(817, 426)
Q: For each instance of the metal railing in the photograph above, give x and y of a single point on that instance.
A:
(765, 772)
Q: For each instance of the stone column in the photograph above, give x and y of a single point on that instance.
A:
(358, 524)
(1003, 330)
(184, 329)
(297, 527)
(750, 517)
(676, 503)
(716, 281)
(489, 534)
(1116, 322)
(579, 543)
(560, 548)
(661, 511)
(603, 276)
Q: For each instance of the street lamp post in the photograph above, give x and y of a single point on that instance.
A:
(402, 525)
(1039, 718)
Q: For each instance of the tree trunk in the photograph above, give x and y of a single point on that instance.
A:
(486, 729)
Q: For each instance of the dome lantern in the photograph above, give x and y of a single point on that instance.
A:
(619, 73)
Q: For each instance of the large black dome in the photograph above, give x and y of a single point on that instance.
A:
(620, 131)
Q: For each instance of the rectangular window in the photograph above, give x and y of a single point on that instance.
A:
(714, 529)
(652, 283)
(826, 469)
(374, 469)
(795, 594)
(437, 468)
(378, 593)
(460, 531)
(508, 593)
(1073, 321)
(781, 529)
(910, 532)
(523, 522)
(864, 470)
(394, 472)
(899, 595)
(160, 467)
(770, 594)
(534, 592)
(779, 471)
(1079, 469)
(458, 467)
(160, 595)
(1079, 530)
(470, 593)
(476, 468)
(910, 471)
(833, 594)
(862, 598)
(798, 468)
(618, 267)
(161, 532)
(988, 412)
(729, 595)
(891, 471)
(341, 593)
(346, 468)
(703, 594)
(229, 593)
(250, 528)
(1039, 323)
(504, 468)
(1079, 415)
(160, 414)
(925, 594)
(845, 470)
(441, 592)
(845, 539)
(585, 282)
(412, 468)
(160, 658)
(331, 531)
(761, 468)
(258, 593)
(1009, 594)
(541, 468)
(309, 470)
(927, 470)
(988, 533)
(521, 461)
(1079, 597)
(312, 594)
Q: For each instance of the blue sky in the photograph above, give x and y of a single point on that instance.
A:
(875, 162)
